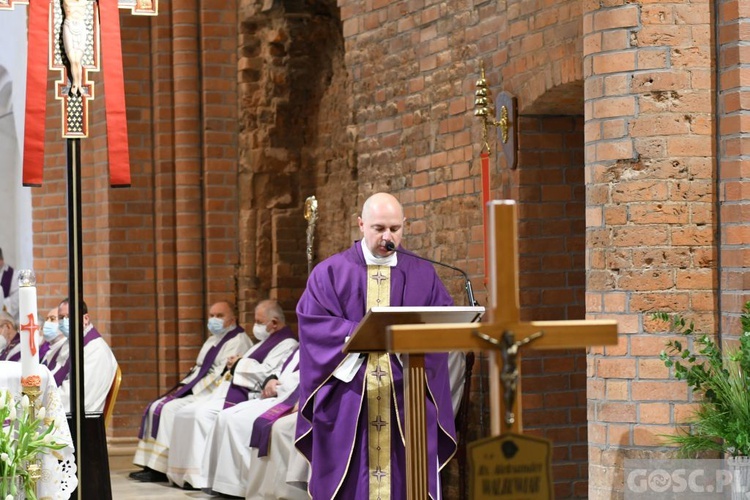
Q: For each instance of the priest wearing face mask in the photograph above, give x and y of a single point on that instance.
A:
(99, 364)
(55, 350)
(10, 339)
(226, 339)
(194, 423)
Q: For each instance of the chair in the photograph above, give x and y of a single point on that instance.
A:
(109, 403)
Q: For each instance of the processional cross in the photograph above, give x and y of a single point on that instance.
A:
(501, 328)
(70, 36)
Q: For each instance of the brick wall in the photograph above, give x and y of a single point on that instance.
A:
(650, 216)
(616, 185)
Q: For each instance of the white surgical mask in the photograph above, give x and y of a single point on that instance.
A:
(65, 326)
(215, 325)
(260, 332)
(50, 331)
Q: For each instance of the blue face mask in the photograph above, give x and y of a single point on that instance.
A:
(50, 331)
(65, 326)
(215, 325)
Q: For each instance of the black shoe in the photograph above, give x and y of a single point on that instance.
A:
(149, 476)
(188, 486)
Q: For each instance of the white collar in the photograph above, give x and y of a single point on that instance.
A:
(372, 260)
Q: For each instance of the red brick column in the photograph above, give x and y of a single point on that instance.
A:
(733, 167)
(649, 216)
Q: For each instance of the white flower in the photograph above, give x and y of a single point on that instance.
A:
(60, 422)
(9, 497)
(12, 415)
(4, 457)
(41, 413)
(25, 402)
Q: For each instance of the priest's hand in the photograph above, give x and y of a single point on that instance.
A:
(269, 391)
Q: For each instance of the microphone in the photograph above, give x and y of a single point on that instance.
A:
(469, 291)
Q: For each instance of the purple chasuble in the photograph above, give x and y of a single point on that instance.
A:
(13, 343)
(6, 280)
(184, 389)
(328, 311)
(261, 435)
(238, 393)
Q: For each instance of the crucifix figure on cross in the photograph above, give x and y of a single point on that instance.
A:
(69, 36)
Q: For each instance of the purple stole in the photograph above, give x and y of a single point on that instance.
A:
(237, 393)
(63, 373)
(52, 364)
(182, 390)
(13, 343)
(261, 435)
(6, 280)
(43, 350)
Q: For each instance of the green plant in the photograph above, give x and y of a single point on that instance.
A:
(721, 377)
(24, 436)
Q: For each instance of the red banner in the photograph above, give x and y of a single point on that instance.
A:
(114, 94)
(485, 199)
(36, 92)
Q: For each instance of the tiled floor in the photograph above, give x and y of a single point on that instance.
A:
(124, 488)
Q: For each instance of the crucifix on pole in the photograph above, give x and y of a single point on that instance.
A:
(502, 330)
(70, 37)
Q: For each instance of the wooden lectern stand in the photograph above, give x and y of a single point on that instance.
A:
(373, 335)
(497, 333)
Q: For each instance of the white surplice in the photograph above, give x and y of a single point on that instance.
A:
(283, 474)
(193, 423)
(229, 453)
(99, 369)
(152, 452)
(59, 350)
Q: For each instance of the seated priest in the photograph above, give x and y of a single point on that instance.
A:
(54, 352)
(193, 423)
(10, 339)
(284, 471)
(229, 456)
(226, 339)
(99, 363)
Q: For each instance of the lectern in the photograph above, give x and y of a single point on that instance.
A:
(373, 335)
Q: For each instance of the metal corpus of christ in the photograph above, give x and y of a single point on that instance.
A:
(70, 36)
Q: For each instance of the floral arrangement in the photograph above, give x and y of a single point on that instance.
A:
(721, 378)
(24, 436)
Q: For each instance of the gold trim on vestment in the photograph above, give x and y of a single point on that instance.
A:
(379, 382)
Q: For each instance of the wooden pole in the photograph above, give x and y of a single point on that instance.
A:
(75, 295)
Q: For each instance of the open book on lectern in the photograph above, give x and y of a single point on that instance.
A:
(371, 335)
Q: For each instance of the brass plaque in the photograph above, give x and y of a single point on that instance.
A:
(510, 467)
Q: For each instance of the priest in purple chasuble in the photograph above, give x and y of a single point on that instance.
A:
(193, 423)
(226, 339)
(351, 427)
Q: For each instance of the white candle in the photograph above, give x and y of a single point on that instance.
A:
(29, 322)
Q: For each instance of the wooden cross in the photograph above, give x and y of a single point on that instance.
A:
(501, 321)
(69, 36)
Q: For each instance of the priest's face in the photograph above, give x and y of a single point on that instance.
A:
(223, 311)
(382, 221)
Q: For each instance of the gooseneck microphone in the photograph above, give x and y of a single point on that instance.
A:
(469, 291)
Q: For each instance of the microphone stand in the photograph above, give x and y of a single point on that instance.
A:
(463, 410)
(469, 290)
